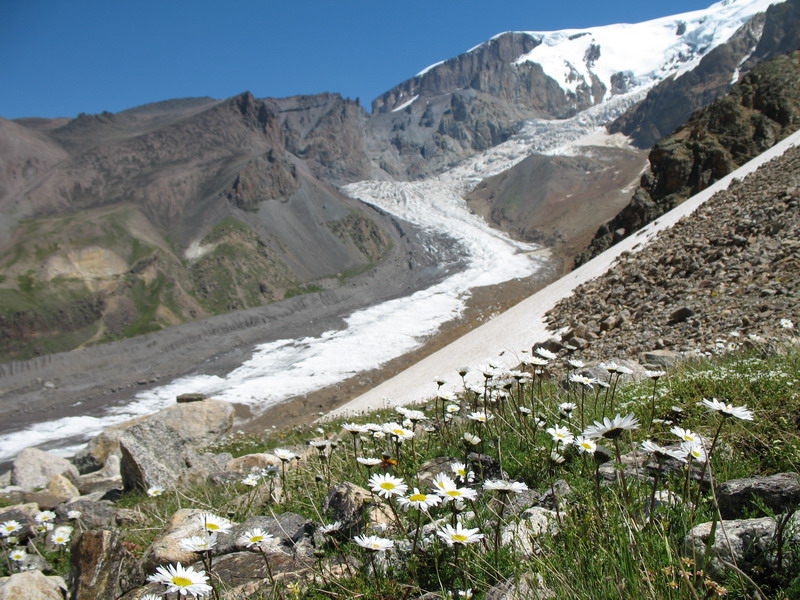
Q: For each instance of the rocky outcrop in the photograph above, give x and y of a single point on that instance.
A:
(733, 264)
(759, 111)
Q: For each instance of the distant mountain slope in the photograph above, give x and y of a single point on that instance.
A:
(762, 109)
(118, 224)
(479, 99)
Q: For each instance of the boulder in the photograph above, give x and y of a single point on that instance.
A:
(747, 543)
(196, 424)
(288, 529)
(102, 567)
(252, 462)
(165, 548)
(348, 504)
(32, 585)
(779, 493)
(99, 515)
(61, 486)
(33, 468)
(107, 478)
(664, 359)
(153, 455)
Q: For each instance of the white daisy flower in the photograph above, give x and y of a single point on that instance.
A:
(255, 537)
(73, 515)
(330, 528)
(459, 534)
(452, 408)
(480, 416)
(251, 480)
(612, 428)
(212, 523)
(198, 543)
(585, 445)
(386, 485)
(695, 450)
(373, 543)
(787, 324)
(545, 353)
(181, 580)
(686, 435)
(462, 473)
(283, 454)
(471, 439)
(419, 500)
(368, 461)
(155, 490)
(45, 516)
(575, 363)
(726, 409)
(355, 428)
(397, 430)
(18, 555)
(502, 485)
(9, 527)
(660, 452)
(582, 380)
(560, 435)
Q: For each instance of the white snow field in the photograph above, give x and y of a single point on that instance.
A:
(501, 340)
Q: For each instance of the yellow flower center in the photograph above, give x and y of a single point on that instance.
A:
(212, 526)
(256, 538)
(418, 497)
(181, 581)
(459, 538)
(387, 485)
(453, 493)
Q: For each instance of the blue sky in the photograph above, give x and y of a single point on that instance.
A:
(62, 57)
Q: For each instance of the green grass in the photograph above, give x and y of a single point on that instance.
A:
(606, 545)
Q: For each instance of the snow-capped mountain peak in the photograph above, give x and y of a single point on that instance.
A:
(627, 56)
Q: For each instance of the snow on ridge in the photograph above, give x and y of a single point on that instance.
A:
(663, 46)
(408, 102)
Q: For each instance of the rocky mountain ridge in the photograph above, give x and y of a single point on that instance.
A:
(762, 109)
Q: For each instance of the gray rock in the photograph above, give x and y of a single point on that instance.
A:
(99, 515)
(153, 455)
(349, 504)
(680, 315)
(288, 529)
(779, 493)
(665, 359)
(33, 468)
(109, 477)
(33, 585)
(165, 548)
(522, 534)
(102, 568)
(747, 543)
(195, 425)
(529, 586)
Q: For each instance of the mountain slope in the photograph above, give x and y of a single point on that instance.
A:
(759, 111)
(124, 223)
